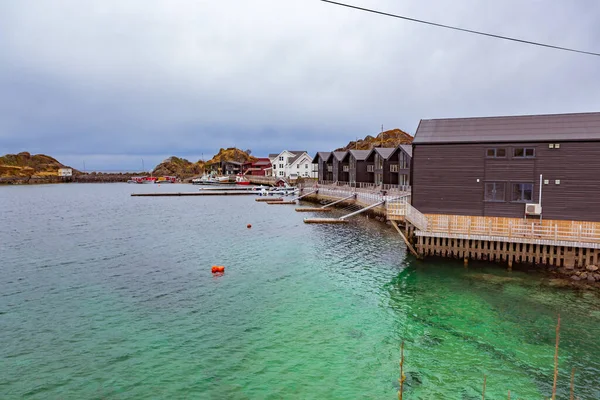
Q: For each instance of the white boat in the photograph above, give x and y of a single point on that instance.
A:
(205, 180)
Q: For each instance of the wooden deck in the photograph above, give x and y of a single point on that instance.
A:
(513, 230)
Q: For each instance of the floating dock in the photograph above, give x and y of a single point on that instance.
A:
(206, 193)
(313, 209)
(281, 202)
(324, 221)
(268, 198)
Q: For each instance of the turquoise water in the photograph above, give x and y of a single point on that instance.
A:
(107, 296)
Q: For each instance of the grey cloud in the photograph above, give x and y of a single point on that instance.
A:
(107, 78)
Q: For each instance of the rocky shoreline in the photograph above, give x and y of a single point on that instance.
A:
(92, 177)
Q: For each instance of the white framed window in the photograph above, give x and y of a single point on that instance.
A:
(345, 168)
(393, 167)
(280, 158)
(403, 181)
(522, 192)
(280, 173)
(280, 165)
(305, 166)
(494, 191)
(370, 168)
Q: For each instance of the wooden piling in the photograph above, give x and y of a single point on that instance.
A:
(556, 359)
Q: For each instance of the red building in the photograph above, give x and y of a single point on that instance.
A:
(257, 168)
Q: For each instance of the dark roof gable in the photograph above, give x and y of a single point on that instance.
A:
(525, 128)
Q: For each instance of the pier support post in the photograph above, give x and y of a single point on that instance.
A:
(466, 262)
(510, 263)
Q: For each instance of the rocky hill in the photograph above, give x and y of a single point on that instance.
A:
(231, 154)
(391, 138)
(180, 167)
(24, 165)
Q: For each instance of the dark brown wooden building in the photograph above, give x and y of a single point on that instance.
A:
(398, 164)
(320, 163)
(377, 165)
(357, 166)
(493, 166)
(334, 165)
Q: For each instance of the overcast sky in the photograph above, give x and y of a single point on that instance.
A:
(110, 82)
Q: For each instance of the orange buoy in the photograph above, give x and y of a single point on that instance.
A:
(216, 269)
(248, 226)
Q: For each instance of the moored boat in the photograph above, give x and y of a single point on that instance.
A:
(241, 180)
(167, 179)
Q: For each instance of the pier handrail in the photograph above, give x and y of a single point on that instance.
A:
(554, 230)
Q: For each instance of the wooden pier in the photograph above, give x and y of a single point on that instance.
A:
(272, 203)
(268, 198)
(313, 209)
(564, 244)
(206, 193)
(324, 221)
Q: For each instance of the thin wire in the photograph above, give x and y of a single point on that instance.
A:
(462, 29)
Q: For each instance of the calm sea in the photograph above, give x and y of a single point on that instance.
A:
(103, 295)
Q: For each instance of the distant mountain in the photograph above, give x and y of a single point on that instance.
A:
(231, 154)
(24, 165)
(180, 167)
(391, 138)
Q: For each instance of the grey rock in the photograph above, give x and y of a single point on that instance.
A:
(575, 278)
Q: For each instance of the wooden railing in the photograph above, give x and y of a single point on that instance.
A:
(400, 207)
(553, 230)
(261, 180)
(368, 186)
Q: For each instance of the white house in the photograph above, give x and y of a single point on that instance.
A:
(292, 165)
(65, 172)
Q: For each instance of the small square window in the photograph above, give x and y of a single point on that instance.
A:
(524, 152)
(551, 146)
(496, 153)
(557, 145)
(557, 182)
(519, 153)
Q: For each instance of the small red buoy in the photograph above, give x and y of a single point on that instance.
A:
(248, 226)
(218, 269)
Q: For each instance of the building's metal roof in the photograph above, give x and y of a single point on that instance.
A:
(525, 128)
(339, 155)
(385, 152)
(272, 155)
(297, 155)
(360, 155)
(323, 155)
(407, 149)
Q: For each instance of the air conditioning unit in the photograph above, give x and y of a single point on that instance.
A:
(533, 209)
